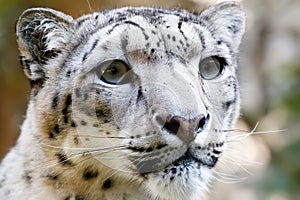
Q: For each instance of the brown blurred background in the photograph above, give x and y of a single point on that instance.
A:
(270, 84)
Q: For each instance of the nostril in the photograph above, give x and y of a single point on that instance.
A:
(202, 122)
(172, 126)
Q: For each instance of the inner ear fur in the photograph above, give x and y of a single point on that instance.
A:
(42, 34)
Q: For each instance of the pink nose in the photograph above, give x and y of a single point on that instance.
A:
(186, 129)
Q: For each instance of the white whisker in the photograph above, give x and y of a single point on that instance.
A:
(105, 137)
(89, 5)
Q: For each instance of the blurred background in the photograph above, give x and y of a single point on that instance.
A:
(263, 166)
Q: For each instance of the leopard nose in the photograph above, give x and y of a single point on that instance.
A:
(184, 129)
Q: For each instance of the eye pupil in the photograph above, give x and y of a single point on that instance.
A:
(211, 67)
(113, 70)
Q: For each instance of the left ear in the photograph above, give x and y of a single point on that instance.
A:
(227, 20)
(42, 35)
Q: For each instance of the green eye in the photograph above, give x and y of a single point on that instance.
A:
(211, 67)
(113, 72)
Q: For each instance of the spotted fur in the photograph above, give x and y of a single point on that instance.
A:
(156, 135)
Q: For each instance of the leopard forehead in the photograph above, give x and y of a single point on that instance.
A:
(134, 30)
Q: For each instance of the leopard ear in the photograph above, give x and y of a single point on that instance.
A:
(42, 35)
(227, 21)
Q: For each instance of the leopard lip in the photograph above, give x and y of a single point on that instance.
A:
(185, 160)
(188, 159)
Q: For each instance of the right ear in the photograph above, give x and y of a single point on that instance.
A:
(42, 35)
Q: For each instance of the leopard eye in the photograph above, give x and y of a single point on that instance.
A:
(211, 67)
(113, 71)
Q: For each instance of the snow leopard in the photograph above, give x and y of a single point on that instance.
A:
(126, 103)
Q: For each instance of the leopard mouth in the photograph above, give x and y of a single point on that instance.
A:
(187, 159)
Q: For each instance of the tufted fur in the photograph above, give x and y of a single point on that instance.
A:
(155, 136)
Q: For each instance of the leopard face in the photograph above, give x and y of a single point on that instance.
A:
(146, 95)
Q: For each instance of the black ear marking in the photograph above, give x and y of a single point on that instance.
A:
(42, 35)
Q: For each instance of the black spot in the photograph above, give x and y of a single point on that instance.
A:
(90, 174)
(146, 36)
(55, 132)
(63, 159)
(80, 22)
(152, 51)
(227, 104)
(174, 38)
(84, 57)
(27, 177)
(160, 146)
(140, 94)
(216, 151)
(68, 102)
(52, 176)
(66, 119)
(137, 149)
(73, 124)
(107, 184)
(55, 100)
(185, 19)
(83, 123)
(233, 28)
(68, 197)
(68, 74)
(48, 54)
(181, 42)
(179, 24)
(96, 125)
(51, 135)
(149, 149)
(79, 197)
(214, 160)
(173, 170)
(76, 140)
(56, 129)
